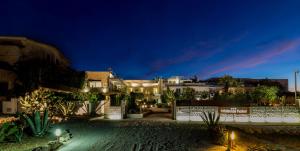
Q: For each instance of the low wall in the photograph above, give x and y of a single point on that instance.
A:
(10, 107)
(135, 115)
(285, 114)
(114, 112)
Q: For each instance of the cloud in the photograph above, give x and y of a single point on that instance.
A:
(267, 52)
(202, 49)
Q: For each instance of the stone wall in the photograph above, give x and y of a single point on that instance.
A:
(285, 114)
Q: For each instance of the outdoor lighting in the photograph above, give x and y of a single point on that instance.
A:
(104, 90)
(57, 133)
(86, 89)
(232, 136)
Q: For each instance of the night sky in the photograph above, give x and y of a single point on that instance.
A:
(143, 39)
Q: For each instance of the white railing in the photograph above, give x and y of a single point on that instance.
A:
(282, 114)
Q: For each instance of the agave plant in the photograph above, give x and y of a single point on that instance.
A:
(211, 119)
(216, 132)
(39, 126)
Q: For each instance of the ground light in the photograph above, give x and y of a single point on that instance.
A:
(231, 137)
(57, 133)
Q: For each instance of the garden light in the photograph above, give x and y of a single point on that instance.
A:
(57, 132)
(85, 90)
(232, 136)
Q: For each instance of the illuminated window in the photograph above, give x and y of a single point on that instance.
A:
(95, 84)
(142, 89)
(155, 91)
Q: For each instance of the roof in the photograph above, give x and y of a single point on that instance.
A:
(27, 45)
(97, 75)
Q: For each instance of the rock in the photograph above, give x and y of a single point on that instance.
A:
(54, 145)
(67, 135)
(41, 148)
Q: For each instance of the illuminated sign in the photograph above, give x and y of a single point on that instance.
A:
(233, 110)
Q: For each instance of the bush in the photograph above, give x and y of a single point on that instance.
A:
(11, 131)
(132, 105)
(162, 105)
(239, 99)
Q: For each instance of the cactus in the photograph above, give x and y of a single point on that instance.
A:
(37, 127)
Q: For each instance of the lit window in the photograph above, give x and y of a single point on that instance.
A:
(95, 84)
(155, 91)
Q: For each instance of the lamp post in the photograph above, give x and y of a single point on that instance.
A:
(296, 72)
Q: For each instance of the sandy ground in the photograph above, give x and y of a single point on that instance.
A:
(273, 137)
(138, 135)
(159, 133)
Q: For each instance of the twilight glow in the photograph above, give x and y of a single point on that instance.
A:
(144, 39)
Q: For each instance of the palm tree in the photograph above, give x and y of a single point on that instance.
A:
(170, 95)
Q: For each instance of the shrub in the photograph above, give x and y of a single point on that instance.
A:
(132, 105)
(37, 100)
(162, 105)
(9, 130)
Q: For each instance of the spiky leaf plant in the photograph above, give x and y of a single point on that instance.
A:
(215, 130)
(211, 119)
(38, 126)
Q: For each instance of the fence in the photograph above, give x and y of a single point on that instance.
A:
(285, 114)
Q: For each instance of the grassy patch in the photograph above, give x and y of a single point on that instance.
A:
(27, 144)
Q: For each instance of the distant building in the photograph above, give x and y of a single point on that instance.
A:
(178, 80)
(178, 83)
(152, 89)
(108, 84)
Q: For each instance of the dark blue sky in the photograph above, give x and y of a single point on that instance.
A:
(143, 39)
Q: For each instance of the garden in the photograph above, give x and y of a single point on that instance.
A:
(42, 109)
